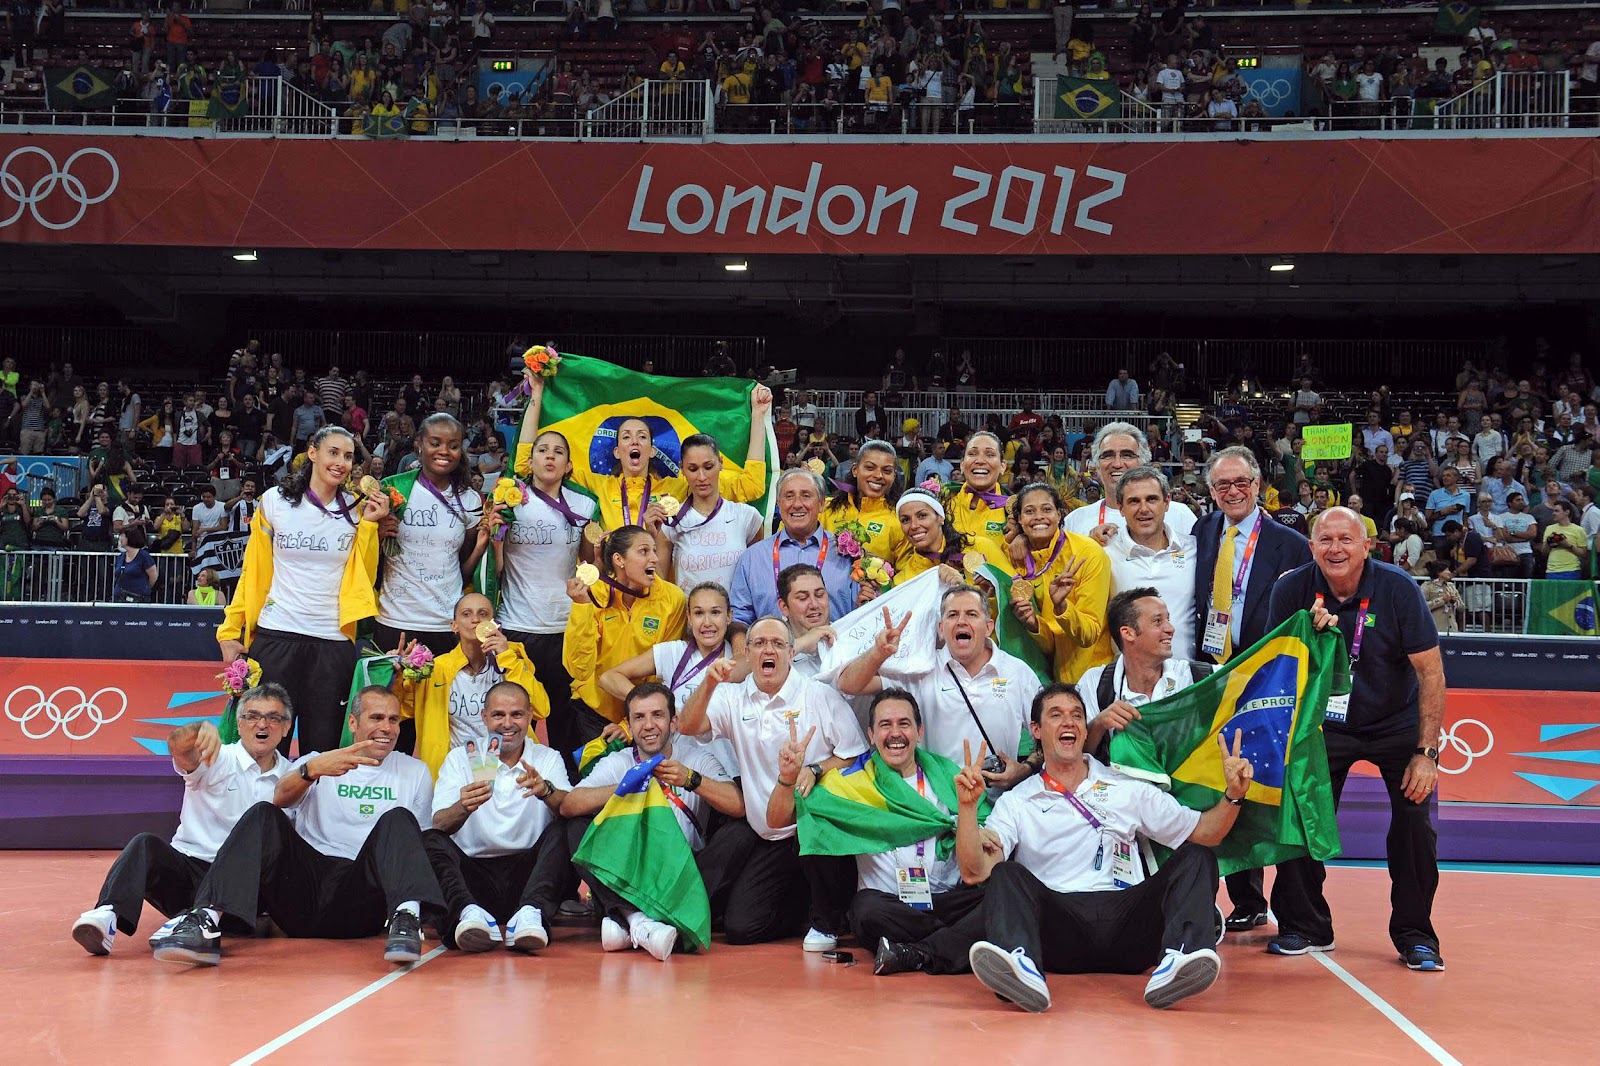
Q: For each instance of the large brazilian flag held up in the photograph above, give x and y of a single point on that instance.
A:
(1276, 694)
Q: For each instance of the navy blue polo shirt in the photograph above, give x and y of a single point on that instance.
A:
(1384, 690)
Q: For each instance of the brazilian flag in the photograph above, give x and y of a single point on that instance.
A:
(1087, 98)
(868, 808)
(1275, 694)
(1561, 608)
(386, 126)
(636, 848)
(79, 88)
(594, 751)
(228, 99)
(1456, 17)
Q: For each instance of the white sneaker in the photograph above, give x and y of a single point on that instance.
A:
(614, 936)
(658, 938)
(95, 929)
(1011, 975)
(1182, 974)
(525, 931)
(166, 930)
(816, 940)
(476, 930)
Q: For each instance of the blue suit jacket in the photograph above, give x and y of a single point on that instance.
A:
(1279, 549)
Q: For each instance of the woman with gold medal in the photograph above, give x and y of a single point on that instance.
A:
(1061, 587)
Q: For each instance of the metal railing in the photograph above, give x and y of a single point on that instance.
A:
(1510, 100)
(942, 399)
(845, 118)
(85, 347)
(1133, 114)
(83, 577)
(842, 420)
(655, 109)
(1496, 605)
(273, 106)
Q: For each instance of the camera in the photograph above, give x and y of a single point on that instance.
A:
(994, 764)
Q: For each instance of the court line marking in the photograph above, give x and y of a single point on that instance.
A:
(334, 1011)
(1381, 1005)
(1501, 869)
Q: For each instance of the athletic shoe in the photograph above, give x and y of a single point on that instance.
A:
(892, 958)
(525, 931)
(1011, 975)
(195, 940)
(405, 938)
(1417, 957)
(579, 908)
(1221, 926)
(166, 930)
(817, 940)
(476, 930)
(614, 936)
(658, 938)
(1242, 921)
(95, 930)
(1181, 974)
(1294, 944)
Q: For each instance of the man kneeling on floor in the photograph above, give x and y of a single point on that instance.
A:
(355, 863)
(693, 781)
(496, 845)
(1066, 888)
(220, 782)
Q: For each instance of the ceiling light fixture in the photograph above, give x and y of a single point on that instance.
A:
(1281, 268)
(738, 268)
(245, 257)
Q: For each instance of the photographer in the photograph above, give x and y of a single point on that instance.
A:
(1566, 547)
(31, 415)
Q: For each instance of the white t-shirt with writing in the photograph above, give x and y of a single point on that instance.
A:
(309, 549)
(541, 552)
(422, 584)
(336, 813)
(467, 693)
(508, 821)
(707, 549)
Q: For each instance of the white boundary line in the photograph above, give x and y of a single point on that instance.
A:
(1381, 1005)
(337, 1009)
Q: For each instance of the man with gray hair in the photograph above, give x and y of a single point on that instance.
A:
(1149, 551)
(220, 782)
(1118, 448)
(753, 589)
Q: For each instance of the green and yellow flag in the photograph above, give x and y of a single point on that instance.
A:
(1561, 609)
(867, 807)
(1457, 17)
(636, 848)
(1011, 636)
(1275, 694)
(79, 88)
(228, 99)
(1087, 98)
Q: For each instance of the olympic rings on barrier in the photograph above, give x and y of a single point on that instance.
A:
(1450, 742)
(29, 199)
(59, 716)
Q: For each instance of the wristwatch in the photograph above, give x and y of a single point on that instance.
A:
(694, 782)
(816, 770)
(1432, 753)
(305, 772)
(1231, 800)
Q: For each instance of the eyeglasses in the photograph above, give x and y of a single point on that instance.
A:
(1238, 484)
(1108, 456)
(765, 644)
(255, 717)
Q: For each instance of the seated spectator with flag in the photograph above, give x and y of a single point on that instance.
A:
(1067, 891)
(640, 863)
(496, 845)
(220, 782)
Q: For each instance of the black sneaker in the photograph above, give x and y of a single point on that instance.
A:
(1294, 944)
(897, 958)
(1424, 958)
(1220, 927)
(195, 940)
(585, 909)
(1242, 921)
(405, 938)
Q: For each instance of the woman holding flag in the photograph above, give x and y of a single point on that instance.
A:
(977, 509)
(626, 495)
(1060, 589)
(309, 569)
(870, 504)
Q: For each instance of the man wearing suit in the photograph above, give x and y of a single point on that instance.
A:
(1242, 551)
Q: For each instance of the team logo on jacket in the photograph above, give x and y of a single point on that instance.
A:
(652, 624)
(367, 809)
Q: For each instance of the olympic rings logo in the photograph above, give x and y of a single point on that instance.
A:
(1270, 91)
(1450, 741)
(59, 714)
(29, 198)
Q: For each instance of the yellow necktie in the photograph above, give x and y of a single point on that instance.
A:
(1222, 589)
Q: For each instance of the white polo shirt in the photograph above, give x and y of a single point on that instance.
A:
(879, 871)
(1001, 693)
(1176, 676)
(1169, 571)
(757, 725)
(1179, 518)
(215, 797)
(707, 549)
(508, 821)
(1039, 828)
(607, 773)
(336, 813)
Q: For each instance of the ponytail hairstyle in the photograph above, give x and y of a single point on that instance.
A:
(461, 476)
(852, 495)
(618, 543)
(294, 484)
(716, 589)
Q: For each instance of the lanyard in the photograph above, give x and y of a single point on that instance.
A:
(1061, 542)
(1077, 805)
(457, 511)
(558, 504)
(643, 503)
(822, 556)
(1244, 562)
(681, 678)
(993, 499)
(1102, 513)
(922, 790)
(1361, 627)
(689, 509)
(338, 501)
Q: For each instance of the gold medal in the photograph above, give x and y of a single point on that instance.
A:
(486, 630)
(588, 573)
(371, 486)
(972, 562)
(669, 505)
(593, 533)
(1021, 589)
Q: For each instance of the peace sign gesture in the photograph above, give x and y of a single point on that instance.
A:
(792, 761)
(1236, 770)
(888, 640)
(970, 783)
(1062, 585)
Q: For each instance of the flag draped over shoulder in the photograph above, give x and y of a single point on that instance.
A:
(1087, 98)
(588, 399)
(867, 808)
(1561, 608)
(80, 88)
(370, 670)
(1276, 694)
(636, 848)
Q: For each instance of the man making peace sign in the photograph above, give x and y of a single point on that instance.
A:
(1067, 888)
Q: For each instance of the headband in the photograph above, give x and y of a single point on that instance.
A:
(921, 495)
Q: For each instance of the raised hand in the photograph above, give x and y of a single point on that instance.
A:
(760, 400)
(1062, 584)
(577, 591)
(720, 671)
(405, 647)
(792, 761)
(531, 781)
(1237, 773)
(475, 795)
(207, 742)
(654, 517)
(1321, 619)
(1026, 613)
(970, 783)
(672, 772)
(341, 761)
(887, 643)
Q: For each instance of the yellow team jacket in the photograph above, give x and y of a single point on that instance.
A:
(357, 598)
(1077, 638)
(737, 483)
(428, 701)
(885, 538)
(974, 517)
(917, 563)
(601, 637)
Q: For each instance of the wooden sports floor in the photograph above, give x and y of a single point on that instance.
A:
(1522, 947)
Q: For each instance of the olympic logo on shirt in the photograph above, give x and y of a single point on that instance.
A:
(28, 198)
(62, 714)
(1449, 741)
